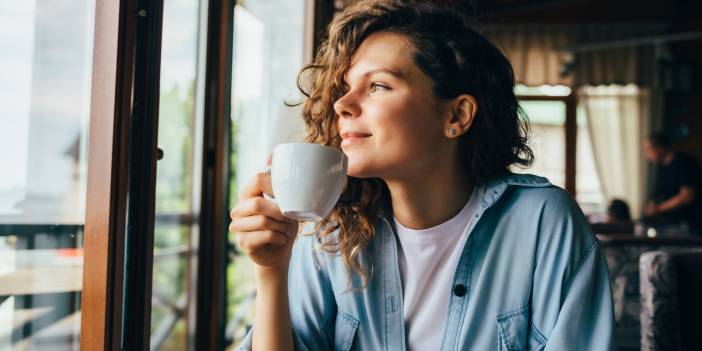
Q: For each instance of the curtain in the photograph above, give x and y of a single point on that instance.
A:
(618, 65)
(533, 52)
(618, 117)
(556, 55)
(618, 120)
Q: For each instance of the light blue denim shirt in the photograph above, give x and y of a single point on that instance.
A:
(531, 277)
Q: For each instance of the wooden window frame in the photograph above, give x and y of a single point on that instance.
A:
(121, 185)
(119, 225)
(106, 200)
(571, 134)
(214, 207)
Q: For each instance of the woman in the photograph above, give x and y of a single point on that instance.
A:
(434, 244)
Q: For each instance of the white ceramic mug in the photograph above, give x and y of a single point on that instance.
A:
(307, 179)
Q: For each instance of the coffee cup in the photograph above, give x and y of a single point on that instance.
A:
(307, 179)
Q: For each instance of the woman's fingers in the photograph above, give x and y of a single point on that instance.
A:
(251, 241)
(258, 223)
(257, 206)
(259, 184)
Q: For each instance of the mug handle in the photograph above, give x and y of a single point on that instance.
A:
(266, 196)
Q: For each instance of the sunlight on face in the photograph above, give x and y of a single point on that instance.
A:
(389, 119)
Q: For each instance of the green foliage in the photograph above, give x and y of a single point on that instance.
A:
(175, 137)
(174, 195)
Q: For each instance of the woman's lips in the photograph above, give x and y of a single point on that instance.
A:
(352, 138)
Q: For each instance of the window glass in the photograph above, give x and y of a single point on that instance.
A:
(176, 230)
(268, 53)
(44, 112)
(547, 139)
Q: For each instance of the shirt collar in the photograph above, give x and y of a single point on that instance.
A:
(495, 188)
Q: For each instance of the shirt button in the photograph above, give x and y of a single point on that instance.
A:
(460, 290)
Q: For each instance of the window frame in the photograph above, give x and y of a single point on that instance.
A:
(571, 134)
(124, 92)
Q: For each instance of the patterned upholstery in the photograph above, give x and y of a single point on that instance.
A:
(622, 253)
(623, 263)
(671, 300)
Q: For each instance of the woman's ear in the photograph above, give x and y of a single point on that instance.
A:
(463, 110)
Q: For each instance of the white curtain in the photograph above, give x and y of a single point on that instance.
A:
(618, 120)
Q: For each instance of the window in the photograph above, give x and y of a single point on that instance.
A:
(547, 141)
(178, 176)
(548, 108)
(44, 111)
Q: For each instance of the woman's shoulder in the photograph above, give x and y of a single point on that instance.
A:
(533, 198)
(530, 190)
(557, 224)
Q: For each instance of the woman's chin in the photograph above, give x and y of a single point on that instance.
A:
(358, 171)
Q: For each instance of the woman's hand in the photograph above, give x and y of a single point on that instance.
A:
(261, 230)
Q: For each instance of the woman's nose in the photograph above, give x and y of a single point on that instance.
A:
(347, 107)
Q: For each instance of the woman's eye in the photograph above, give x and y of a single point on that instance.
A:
(376, 87)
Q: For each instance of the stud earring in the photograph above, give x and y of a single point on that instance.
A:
(452, 131)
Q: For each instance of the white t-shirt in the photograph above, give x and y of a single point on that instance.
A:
(428, 273)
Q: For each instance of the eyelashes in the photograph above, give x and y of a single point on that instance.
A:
(378, 87)
(372, 87)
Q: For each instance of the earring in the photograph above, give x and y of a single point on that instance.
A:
(452, 131)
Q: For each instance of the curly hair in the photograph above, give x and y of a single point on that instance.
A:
(458, 60)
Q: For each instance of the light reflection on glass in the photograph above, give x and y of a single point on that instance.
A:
(268, 53)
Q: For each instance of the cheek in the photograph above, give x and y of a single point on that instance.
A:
(406, 138)
(404, 133)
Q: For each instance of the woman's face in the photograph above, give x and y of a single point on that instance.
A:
(390, 123)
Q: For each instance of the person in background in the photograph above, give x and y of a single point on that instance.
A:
(618, 212)
(675, 197)
(617, 219)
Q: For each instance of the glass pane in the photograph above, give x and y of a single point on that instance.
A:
(177, 177)
(263, 80)
(547, 139)
(44, 112)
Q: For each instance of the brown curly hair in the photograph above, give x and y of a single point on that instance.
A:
(457, 59)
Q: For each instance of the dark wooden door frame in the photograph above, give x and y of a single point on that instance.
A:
(321, 15)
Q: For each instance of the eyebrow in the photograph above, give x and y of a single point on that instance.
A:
(392, 72)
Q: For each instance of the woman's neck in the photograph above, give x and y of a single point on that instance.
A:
(429, 199)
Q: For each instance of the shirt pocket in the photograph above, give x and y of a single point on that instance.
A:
(345, 329)
(516, 332)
